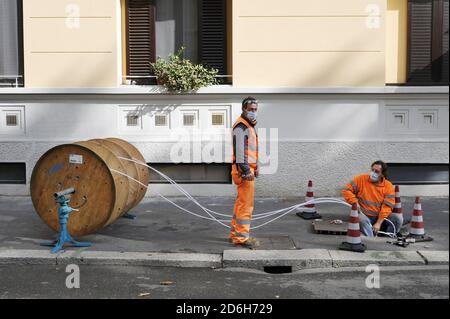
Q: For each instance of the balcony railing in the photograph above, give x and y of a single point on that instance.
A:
(133, 79)
(11, 81)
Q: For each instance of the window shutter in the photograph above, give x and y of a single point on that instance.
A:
(212, 34)
(140, 20)
(428, 42)
(420, 33)
(445, 43)
(11, 44)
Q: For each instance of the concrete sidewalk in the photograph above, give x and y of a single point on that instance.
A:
(165, 230)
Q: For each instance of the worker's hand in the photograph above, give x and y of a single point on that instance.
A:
(75, 210)
(249, 177)
(257, 173)
(376, 227)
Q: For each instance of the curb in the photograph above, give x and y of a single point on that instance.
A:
(43, 257)
(254, 259)
(259, 259)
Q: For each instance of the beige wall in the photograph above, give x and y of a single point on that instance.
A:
(304, 43)
(396, 41)
(58, 55)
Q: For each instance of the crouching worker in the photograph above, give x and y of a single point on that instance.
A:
(244, 171)
(375, 196)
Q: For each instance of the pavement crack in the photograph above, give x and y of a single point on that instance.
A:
(423, 257)
(333, 265)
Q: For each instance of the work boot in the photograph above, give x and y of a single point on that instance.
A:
(251, 243)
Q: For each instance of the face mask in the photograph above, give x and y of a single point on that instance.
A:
(251, 116)
(374, 176)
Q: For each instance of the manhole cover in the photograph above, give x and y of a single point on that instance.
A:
(276, 243)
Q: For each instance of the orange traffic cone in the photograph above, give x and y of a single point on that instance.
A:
(417, 229)
(398, 202)
(353, 242)
(309, 211)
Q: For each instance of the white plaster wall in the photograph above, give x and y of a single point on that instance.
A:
(326, 138)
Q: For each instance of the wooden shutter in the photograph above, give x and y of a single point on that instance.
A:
(445, 65)
(427, 41)
(140, 21)
(212, 34)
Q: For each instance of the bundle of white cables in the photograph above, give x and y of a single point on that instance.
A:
(224, 222)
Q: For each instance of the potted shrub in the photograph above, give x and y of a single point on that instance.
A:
(181, 75)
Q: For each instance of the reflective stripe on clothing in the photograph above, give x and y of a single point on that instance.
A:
(242, 235)
(243, 222)
(368, 202)
(369, 213)
(389, 204)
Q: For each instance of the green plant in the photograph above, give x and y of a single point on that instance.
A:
(181, 75)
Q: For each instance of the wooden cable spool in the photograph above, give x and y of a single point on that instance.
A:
(103, 195)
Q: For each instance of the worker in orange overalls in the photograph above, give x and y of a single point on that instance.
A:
(244, 171)
(375, 196)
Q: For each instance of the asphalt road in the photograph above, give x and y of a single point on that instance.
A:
(167, 283)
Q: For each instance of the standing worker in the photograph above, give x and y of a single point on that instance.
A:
(375, 196)
(244, 171)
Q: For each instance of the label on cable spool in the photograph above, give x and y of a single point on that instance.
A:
(75, 159)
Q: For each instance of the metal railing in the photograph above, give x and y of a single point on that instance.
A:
(15, 81)
(141, 77)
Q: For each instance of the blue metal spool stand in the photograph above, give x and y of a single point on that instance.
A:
(64, 211)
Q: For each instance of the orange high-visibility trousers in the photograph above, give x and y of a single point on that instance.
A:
(243, 210)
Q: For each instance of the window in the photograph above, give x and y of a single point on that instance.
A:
(12, 173)
(215, 173)
(161, 27)
(12, 120)
(418, 174)
(132, 120)
(11, 47)
(428, 42)
(140, 36)
(189, 119)
(161, 120)
(217, 119)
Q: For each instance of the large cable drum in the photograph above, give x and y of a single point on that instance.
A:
(96, 169)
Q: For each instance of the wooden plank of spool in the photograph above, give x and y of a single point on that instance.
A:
(130, 168)
(121, 182)
(143, 172)
(79, 167)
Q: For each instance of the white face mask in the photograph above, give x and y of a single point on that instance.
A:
(374, 176)
(252, 116)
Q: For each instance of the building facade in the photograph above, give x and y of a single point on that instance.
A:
(340, 84)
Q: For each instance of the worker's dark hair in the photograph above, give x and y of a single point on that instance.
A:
(248, 101)
(384, 167)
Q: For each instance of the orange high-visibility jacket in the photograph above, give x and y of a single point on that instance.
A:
(251, 147)
(374, 199)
